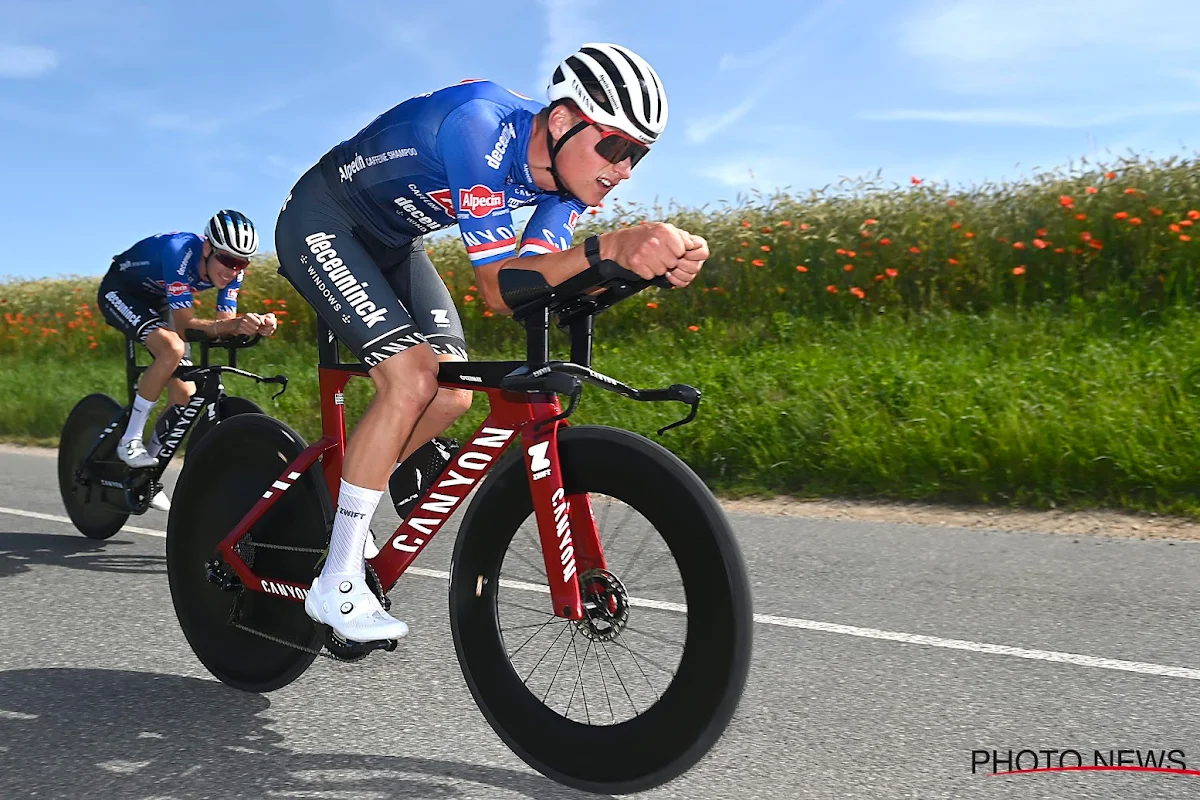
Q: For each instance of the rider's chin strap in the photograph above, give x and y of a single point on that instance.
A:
(562, 191)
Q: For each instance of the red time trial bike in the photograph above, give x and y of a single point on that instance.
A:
(599, 603)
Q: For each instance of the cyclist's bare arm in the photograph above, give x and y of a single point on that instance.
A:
(648, 250)
(226, 323)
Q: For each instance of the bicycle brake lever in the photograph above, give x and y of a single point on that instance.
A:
(575, 393)
(281, 380)
(684, 394)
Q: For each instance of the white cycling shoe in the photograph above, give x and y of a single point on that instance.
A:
(134, 454)
(349, 606)
(160, 502)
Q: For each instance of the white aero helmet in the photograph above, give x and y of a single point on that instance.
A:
(614, 86)
(232, 232)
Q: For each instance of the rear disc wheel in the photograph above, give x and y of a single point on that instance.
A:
(85, 505)
(251, 640)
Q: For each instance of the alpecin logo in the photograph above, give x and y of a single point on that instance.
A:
(479, 200)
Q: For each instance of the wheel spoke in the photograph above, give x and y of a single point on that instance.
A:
(525, 608)
(632, 566)
(554, 677)
(649, 661)
(534, 567)
(619, 527)
(648, 571)
(530, 625)
(530, 639)
(656, 637)
(617, 673)
(604, 685)
(543, 658)
(579, 681)
(641, 590)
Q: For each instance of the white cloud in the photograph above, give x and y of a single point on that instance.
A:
(26, 61)
(569, 24)
(767, 173)
(1190, 75)
(703, 129)
(783, 48)
(1031, 118)
(1017, 31)
(183, 122)
(769, 61)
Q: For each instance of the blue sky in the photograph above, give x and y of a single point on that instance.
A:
(123, 118)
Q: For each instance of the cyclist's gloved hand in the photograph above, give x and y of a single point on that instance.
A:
(688, 266)
(268, 325)
(646, 250)
(247, 324)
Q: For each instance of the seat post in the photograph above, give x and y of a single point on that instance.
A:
(582, 334)
(327, 346)
(131, 367)
(537, 337)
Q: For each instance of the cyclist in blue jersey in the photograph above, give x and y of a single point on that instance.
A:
(147, 294)
(349, 238)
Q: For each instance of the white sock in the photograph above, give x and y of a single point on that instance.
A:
(137, 418)
(351, 527)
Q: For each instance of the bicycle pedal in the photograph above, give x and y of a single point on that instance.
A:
(346, 650)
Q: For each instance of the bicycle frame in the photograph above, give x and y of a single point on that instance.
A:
(210, 390)
(570, 543)
(523, 404)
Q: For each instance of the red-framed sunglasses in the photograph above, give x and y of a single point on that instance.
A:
(616, 146)
(231, 262)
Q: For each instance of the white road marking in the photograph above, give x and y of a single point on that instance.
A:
(1076, 659)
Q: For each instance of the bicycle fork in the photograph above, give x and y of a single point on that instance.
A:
(566, 526)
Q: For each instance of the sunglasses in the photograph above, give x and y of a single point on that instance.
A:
(230, 262)
(616, 146)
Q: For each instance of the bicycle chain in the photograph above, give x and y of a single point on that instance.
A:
(235, 612)
(287, 547)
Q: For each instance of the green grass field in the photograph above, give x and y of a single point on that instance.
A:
(1029, 343)
(1030, 408)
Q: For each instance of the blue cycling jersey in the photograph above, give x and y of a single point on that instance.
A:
(166, 266)
(455, 156)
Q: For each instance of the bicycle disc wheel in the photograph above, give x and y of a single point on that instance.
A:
(250, 640)
(230, 406)
(635, 695)
(93, 517)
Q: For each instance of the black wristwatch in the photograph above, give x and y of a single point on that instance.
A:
(591, 249)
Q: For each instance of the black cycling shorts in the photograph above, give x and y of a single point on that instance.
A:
(379, 301)
(134, 314)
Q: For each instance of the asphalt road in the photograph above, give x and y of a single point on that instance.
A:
(884, 656)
